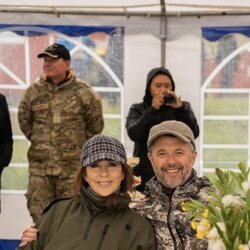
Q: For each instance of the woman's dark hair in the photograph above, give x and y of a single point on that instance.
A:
(114, 200)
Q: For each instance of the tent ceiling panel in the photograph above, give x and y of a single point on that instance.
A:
(127, 7)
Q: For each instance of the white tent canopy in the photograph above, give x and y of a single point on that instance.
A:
(155, 33)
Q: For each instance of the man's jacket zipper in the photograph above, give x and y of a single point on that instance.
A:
(169, 224)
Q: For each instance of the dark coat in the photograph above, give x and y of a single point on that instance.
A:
(75, 224)
(6, 142)
(142, 116)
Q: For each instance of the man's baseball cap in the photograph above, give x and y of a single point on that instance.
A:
(56, 50)
(102, 147)
(175, 128)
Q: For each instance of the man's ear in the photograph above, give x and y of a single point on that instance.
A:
(149, 156)
(194, 155)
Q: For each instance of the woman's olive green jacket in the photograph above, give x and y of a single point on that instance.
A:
(75, 224)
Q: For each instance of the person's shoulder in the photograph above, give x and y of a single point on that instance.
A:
(143, 207)
(35, 86)
(85, 89)
(204, 187)
(204, 193)
(203, 181)
(81, 84)
(186, 102)
(34, 90)
(186, 105)
(3, 100)
(64, 201)
(137, 217)
(137, 105)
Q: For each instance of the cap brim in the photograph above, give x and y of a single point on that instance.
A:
(168, 132)
(102, 156)
(47, 54)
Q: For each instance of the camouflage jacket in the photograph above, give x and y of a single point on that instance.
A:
(58, 119)
(171, 224)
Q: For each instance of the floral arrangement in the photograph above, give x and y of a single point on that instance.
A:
(225, 220)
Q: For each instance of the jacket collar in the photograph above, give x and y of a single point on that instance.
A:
(154, 187)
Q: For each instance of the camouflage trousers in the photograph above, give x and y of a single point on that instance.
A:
(44, 189)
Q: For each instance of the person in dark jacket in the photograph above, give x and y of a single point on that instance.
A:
(98, 217)
(6, 141)
(160, 103)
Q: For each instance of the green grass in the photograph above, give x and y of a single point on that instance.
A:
(225, 132)
(226, 104)
(20, 151)
(111, 106)
(225, 158)
(15, 178)
(113, 128)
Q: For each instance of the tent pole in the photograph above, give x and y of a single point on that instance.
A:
(121, 13)
(163, 30)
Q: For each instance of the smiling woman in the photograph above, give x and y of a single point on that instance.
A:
(104, 177)
(97, 216)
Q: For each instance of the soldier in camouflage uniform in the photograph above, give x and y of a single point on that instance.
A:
(57, 114)
(172, 154)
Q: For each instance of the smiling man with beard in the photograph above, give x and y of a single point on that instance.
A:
(172, 153)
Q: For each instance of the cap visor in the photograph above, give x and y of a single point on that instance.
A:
(100, 156)
(168, 133)
(47, 54)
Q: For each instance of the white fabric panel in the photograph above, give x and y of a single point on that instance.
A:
(142, 52)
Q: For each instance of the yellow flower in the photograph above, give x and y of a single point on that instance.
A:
(205, 223)
(184, 207)
(201, 234)
(241, 222)
(203, 228)
(194, 224)
(243, 247)
(205, 213)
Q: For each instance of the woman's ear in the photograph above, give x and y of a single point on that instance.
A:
(123, 175)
